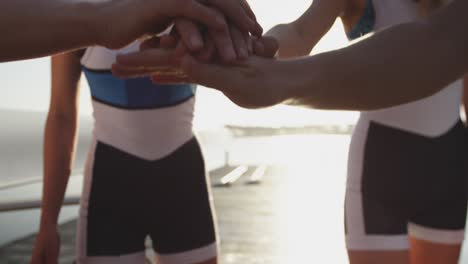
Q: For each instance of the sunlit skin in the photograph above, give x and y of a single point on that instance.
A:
(173, 50)
(40, 28)
(259, 82)
(62, 117)
(411, 70)
(59, 150)
(298, 39)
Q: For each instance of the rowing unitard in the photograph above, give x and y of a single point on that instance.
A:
(145, 173)
(406, 171)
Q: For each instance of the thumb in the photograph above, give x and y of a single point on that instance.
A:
(266, 47)
(271, 46)
(146, 58)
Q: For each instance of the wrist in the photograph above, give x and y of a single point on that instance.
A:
(48, 222)
(48, 227)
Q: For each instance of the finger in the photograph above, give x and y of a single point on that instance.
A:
(248, 10)
(200, 13)
(249, 43)
(224, 46)
(259, 48)
(234, 10)
(251, 14)
(148, 58)
(160, 79)
(151, 43)
(270, 47)
(223, 42)
(125, 72)
(240, 43)
(180, 50)
(208, 53)
(169, 42)
(190, 34)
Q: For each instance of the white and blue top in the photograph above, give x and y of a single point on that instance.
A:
(430, 116)
(135, 115)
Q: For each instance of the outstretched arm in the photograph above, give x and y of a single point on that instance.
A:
(398, 65)
(300, 36)
(37, 28)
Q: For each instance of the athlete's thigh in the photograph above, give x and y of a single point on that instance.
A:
(437, 227)
(437, 232)
(425, 252)
(436, 237)
(372, 225)
(108, 231)
(378, 257)
(376, 206)
(183, 227)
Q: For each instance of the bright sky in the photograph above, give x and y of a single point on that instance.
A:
(26, 85)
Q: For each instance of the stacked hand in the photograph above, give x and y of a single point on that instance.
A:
(122, 21)
(162, 56)
(168, 59)
(210, 30)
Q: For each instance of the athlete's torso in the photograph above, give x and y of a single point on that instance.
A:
(146, 120)
(430, 116)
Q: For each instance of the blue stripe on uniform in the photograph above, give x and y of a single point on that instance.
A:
(365, 24)
(135, 93)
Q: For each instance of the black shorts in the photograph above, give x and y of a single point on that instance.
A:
(408, 184)
(127, 198)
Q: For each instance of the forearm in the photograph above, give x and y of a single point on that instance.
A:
(59, 145)
(291, 43)
(398, 65)
(38, 28)
(299, 37)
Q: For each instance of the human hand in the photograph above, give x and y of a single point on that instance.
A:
(254, 83)
(47, 247)
(161, 55)
(264, 47)
(153, 16)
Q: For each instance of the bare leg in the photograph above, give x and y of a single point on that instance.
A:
(425, 252)
(378, 257)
